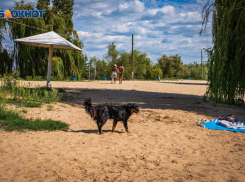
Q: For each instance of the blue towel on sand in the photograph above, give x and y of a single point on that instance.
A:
(214, 126)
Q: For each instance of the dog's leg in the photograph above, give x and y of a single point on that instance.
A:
(114, 126)
(100, 130)
(125, 123)
(99, 124)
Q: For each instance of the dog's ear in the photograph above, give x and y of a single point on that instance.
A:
(130, 109)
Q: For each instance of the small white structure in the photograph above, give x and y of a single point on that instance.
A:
(49, 40)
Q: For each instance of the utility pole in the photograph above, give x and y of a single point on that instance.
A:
(89, 71)
(202, 63)
(94, 72)
(132, 56)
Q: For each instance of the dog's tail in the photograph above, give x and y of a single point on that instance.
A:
(88, 105)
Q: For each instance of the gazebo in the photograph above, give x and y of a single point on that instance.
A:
(49, 40)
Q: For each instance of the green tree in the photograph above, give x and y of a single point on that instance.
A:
(64, 8)
(44, 2)
(85, 71)
(170, 65)
(2, 63)
(195, 70)
(152, 72)
(57, 68)
(125, 59)
(226, 58)
(184, 72)
(2, 30)
(32, 61)
(93, 69)
(101, 69)
(6, 60)
(112, 53)
(141, 62)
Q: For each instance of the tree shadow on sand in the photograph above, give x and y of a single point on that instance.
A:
(184, 83)
(152, 100)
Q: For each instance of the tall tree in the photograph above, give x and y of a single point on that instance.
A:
(2, 30)
(227, 66)
(141, 62)
(64, 8)
(2, 61)
(6, 60)
(125, 59)
(46, 2)
(170, 65)
(32, 61)
(112, 53)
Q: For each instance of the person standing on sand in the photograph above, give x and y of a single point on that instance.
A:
(121, 73)
(114, 74)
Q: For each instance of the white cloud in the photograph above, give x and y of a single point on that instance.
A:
(133, 6)
(167, 9)
(121, 28)
(83, 34)
(185, 41)
(159, 11)
(192, 16)
(123, 7)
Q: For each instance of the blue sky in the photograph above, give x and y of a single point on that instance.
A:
(160, 27)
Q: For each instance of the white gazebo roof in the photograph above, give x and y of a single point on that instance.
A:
(48, 39)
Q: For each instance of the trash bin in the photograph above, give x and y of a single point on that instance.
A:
(158, 78)
(73, 78)
(104, 78)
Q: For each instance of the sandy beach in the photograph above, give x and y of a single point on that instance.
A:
(164, 143)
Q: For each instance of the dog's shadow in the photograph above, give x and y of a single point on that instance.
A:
(91, 131)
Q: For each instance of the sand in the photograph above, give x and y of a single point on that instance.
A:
(164, 143)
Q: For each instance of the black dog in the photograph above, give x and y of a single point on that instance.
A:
(101, 113)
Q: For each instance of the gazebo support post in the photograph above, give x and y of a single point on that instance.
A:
(49, 64)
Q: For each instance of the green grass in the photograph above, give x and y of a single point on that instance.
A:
(32, 104)
(12, 121)
(24, 111)
(12, 91)
(61, 90)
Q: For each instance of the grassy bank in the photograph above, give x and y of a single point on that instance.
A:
(13, 121)
(12, 92)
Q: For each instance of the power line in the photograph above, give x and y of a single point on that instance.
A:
(31, 26)
(25, 25)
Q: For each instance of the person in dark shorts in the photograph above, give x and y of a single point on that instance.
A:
(114, 74)
(121, 73)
